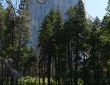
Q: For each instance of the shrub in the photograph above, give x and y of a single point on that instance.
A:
(52, 82)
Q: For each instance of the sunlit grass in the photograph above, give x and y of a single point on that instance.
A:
(33, 81)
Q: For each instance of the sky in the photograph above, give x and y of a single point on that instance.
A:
(93, 7)
(96, 7)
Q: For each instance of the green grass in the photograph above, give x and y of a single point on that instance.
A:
(33, 81)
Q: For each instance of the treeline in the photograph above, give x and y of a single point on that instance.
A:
(74, 51)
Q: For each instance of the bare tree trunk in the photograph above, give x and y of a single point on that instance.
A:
(12, 80)
(59, 67)
(44, 64)
(49, 69)
(94, 54)
(97, 71)
(2, 80)
(56, 73)
(84, 71)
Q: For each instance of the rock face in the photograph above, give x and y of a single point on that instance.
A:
(38, 12)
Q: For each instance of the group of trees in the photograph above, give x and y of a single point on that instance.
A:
(14, 39)
(76, 50)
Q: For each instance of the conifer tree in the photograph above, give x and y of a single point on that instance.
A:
(94, 51)
(80, 39)
(2, 25)
(8, 34)
(68, 37)
(2, 28)
(22, 30)
(45, 36)
(50, 41)
(57, 34)
(105, 45)
(105, 21)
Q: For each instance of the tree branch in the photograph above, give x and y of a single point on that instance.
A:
(41, 2)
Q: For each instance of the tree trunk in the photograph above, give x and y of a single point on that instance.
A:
(70, 63)
(76, 58)
(39, 77)
(94, 65)
(49, 68)
(59, 64)
(12, 80)
(2, 80)
(56, 73)
(44, 63)
(97, 72)
(84, 71)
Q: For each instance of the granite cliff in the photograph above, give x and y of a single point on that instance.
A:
(38, 12)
